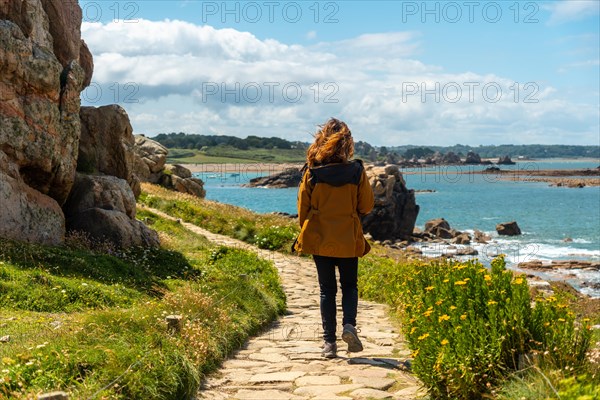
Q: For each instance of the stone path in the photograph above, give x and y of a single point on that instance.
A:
(285, 362)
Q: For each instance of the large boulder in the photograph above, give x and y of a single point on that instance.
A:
(150, 159)
(395, 211)
(179, 178)
(25, 213)
(149, 165)
(439, 227)
(289, 177)
(505, 160)
(451, 158)
(104, 208)
(508, 229)
(100, 191)
(107, 144)
(115, 227)
(472, 158)
(40, 87)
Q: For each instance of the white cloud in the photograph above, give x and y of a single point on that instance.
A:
(199, 79)
(563, 11)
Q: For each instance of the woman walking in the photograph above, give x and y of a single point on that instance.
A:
(333, 194)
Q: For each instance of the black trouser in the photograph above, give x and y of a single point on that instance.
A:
(348, 268)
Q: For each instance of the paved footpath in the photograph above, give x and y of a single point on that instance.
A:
(284, 362)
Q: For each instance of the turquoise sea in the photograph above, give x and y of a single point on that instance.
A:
(547, 215)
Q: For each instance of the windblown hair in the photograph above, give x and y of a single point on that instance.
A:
(333, 144)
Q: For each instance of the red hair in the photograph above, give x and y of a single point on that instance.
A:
(333, 144)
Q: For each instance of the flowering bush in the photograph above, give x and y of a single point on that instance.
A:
(469, 326)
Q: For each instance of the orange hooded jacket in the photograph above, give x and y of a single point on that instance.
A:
(331, 199)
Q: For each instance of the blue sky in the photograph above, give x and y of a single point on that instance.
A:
(208, 67)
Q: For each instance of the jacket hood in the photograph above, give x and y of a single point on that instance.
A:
(337, 174)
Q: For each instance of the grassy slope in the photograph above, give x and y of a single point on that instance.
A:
(226, 154)
(78, 319)
(265, 230)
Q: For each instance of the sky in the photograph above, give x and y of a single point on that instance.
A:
(397, 72)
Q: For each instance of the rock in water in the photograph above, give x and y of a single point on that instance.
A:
(290, 177)
(508, 229)
(396, 210)
(473, 158)
(451, 158)
(440, 228)
(505, 160)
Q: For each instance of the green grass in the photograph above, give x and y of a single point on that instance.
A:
(227, 154)
(267, 231)
(79, 319)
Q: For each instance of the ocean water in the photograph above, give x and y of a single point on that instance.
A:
(546, 215)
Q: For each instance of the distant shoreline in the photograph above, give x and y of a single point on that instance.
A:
(278, 167)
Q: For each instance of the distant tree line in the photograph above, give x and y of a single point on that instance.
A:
(368, 152)
(184, 141)
(491, 151)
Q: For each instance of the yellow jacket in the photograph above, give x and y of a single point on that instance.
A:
(331, 199)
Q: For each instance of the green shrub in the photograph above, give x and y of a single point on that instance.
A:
(469, 327)
(275, 237)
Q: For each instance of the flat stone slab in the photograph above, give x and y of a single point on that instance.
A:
(323, 390)
(410, 393)
(373, 383)
(242, 364)
(367, 393)
(272, 358)
(276, 377)
(272, 350)
(245, 394)
(371, 372)
(316, 380)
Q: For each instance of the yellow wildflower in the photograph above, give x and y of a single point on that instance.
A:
(446, 280)
(439, 302)
(463, 317)
(444, 317)
(487, 278)
(492, 302)
(444, 342)
(415, 353)
(460, 283)
(428, 313)
(561, 320)
(423, 336)
(428, 288)
(518, 281)
(452, 308)
(413, 329)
